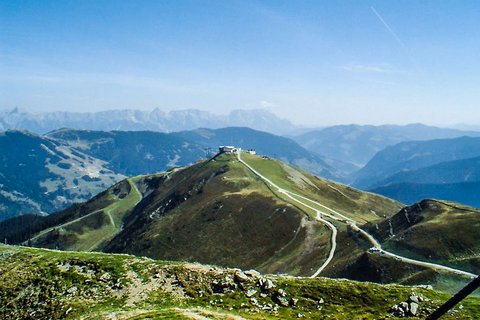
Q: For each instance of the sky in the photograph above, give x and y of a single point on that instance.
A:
(316, 62)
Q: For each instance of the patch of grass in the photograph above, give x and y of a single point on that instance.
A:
(41, 281)
(360, 206)
(91, 231)
(429, 231)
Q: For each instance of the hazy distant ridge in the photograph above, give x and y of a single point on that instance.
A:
(137, 120)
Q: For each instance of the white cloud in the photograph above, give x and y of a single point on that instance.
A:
(381, 68)
(267, 104)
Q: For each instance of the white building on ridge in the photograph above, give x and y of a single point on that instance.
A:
(227, 149)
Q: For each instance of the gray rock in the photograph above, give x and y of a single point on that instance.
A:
(413, 298)
(413, 308)
(281, 292)
(253, 273)
(251, 293)
(105, 277)
(282, 301)
(269, 285)
(293, 301)
(394, 308)
(72, 291)
(241, 277)
(266, 284)
(404, 306)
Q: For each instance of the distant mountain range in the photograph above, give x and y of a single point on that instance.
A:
(44, 173)
(464, 192)
(446, 169)
(401, 159)
(137, 120)
(357, 144)
(39, 175)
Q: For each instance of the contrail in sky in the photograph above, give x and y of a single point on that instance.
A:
(388, 27)
(390, 30)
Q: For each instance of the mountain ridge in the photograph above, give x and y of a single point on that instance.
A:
(357, 144)
(413, 155)
(138, 120)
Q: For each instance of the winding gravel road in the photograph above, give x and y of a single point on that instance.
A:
(318, 216)
(335, 215)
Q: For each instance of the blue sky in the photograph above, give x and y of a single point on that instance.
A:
(314, 62)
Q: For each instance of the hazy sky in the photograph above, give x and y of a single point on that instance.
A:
(314, 62)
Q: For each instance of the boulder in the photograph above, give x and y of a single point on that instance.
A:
(253, 273)
(241, 277)
(413, 298)
(413, 308)
(404, 306)
(293, 302)
(281, 292)
(281, 301)
(266, 284)
(251, 293)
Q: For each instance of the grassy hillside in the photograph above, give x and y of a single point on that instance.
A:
(37, 283)
(353, 259)
(435, 230)
(361, 206)
(94, 229)
(265, 143)
(212, 212)
(230, 216)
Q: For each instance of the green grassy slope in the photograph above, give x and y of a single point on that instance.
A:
(95, 228)
(358, 205)
(219, 212)
(352, 258)
(440, 231)
(37, 283)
